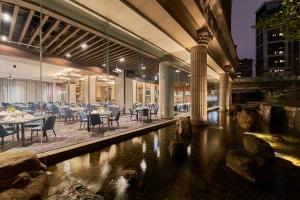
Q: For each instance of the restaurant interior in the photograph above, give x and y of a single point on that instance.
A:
(63, 82)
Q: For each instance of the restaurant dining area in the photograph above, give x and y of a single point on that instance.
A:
(63, 83)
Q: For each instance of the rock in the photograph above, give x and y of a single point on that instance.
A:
(13, 163)
(178, 151)
(258, 147)
(248, 119)
(36, 189)
(253, 168)
(284, 164)
(21, 180)
(184, 127)
(278, 138)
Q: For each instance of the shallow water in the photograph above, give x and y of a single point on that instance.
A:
(160, 176)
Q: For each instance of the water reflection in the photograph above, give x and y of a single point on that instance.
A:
(149, 155)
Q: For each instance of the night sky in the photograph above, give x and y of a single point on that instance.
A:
(243, 17)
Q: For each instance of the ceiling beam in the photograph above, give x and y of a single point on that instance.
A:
(13, 22)
(77, 46)
(37, 30)
(64, 40)
(57, 36)
(89, 51)
(49, 31)
(71, 43)
(89, 47)
(24, 30)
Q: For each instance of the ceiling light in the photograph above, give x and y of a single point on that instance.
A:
(186, 84)
(6, 17)
(3, 38)
(103, 65)
(122, 59)
(144, 76)
(189, 75)
(117, 70)
(68, 55)
(177, 71)
(143, 67)
(84, 45)
(155, 78)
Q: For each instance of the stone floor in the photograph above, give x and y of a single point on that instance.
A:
(70, 133)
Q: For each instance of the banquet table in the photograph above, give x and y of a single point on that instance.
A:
(21, 122)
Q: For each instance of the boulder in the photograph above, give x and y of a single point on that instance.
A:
(257, 147)
(253, 168)
(21, 180)
(13, 163)
(184, 127)
(36, 189)
(178, 151)
(248, 119)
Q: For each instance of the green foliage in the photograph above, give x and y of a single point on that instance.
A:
(285, 20)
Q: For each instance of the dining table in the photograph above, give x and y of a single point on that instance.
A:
(20, 121)
(139, 111)
(102, 114)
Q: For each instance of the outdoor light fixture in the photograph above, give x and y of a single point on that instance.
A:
(68, 55)
(6, 17)
(122, 59)
(177, 71)
(84, 45)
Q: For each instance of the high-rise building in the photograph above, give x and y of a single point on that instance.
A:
(273, 52)
(245, 68)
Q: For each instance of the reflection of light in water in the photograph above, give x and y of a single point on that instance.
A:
(121, 186)
(112, 151)
(143, 165)
(68, 167)
(144, 147)
(106, 168)
(189, 150)
(156, 145)
(295, 161)
(137, 140)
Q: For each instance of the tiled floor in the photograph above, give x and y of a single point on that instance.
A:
(70, 133)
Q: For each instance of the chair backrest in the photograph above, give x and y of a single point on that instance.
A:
(95, 119)
(130, 110)
(156, 110)
(82, 115)
(61, 111)
(118, 116)
(3, 132)
(145, 112)
(68, 113)
(49, 123)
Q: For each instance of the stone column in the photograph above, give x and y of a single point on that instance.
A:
(89, 89)
(224, 90)
(144, 93)
(166, 89)
(229, 93)
(199, 77)
(152, 93)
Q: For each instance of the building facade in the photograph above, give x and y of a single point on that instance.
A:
(273, 52)
(245, 69)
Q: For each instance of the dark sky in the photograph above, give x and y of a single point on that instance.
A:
(243, 17)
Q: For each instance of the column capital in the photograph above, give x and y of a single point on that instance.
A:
(203, 36)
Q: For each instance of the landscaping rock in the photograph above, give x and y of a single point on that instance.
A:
(257, 147)
(36, 189)
(253, 168)
(184, 127)
(21, 180)
(13, 163)
(248, 119)
(178, 151)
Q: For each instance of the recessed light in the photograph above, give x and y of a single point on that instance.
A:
(189, 75)
(84, 45)
(6, 17)
(186, 84)
(68, 55)
(155, 78)
(143, 67)
(122, 59)
(144, 76)
(3, 38)
(177, 71)
(103, 65)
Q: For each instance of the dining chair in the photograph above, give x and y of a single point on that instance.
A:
(83, 118)
(4, 132)
(116, 119)
(132, 114)
(95, 119)
(69, 115)
(145, 113)
(48, 125)
(154, 113)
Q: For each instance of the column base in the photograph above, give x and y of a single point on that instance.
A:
(199, 123)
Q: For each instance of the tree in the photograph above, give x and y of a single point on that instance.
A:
(286, 20)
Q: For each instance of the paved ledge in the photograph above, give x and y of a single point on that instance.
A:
(51, 157)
